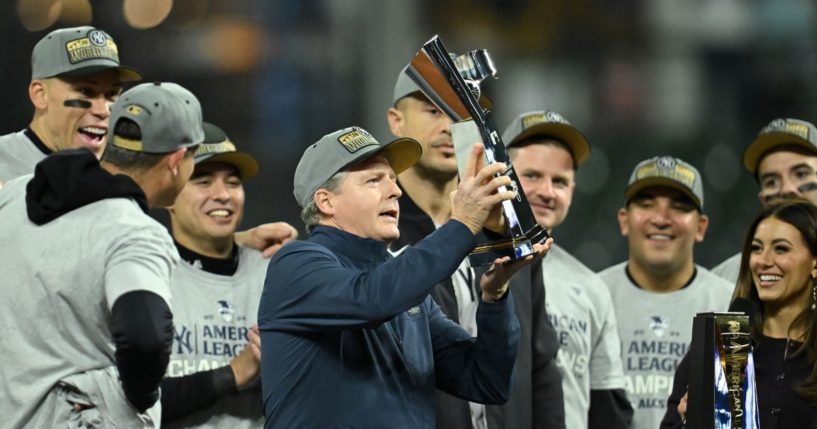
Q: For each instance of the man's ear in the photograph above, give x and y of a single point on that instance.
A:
(700, 231)
(174, 159)
(623, 216)
(37, 94)
(396, 119)
(324, 201)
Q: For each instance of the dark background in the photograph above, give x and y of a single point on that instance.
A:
(693, 79)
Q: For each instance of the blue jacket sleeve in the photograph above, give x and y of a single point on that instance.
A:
(478, 369)
(308, 289)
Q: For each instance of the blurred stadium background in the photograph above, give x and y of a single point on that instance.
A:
(694, 79)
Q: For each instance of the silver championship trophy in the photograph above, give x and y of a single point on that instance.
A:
(453, 85)
(722, 392)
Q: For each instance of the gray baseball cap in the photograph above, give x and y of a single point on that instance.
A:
(217, 147)
(339, 150)
(168, 116)
(780, 132)
(668, 172)
(547, 123)
(77, 51)
(405, 87)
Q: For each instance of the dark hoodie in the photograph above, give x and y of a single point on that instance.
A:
(71, 179)
(141, 322)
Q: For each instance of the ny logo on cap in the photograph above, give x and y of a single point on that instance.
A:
(97, 37)
(665, 163)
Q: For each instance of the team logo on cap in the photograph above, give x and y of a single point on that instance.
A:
(95, 46)
(97, 37)
(222, 147)
(541, 118)
(788, 127)
(357, 139)
(134, 109)
(668, 167)
(666, 162)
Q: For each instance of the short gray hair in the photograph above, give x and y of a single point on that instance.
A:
(310, 214)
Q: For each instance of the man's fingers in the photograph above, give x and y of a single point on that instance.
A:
(496, 182)
(269, 251)
(485, 174)
(278, 231)
(473, 162)
(500, 197)
(254, 337)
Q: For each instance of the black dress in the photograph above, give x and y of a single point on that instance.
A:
(780, 406)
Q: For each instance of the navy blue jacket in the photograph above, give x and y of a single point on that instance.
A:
(350, 337)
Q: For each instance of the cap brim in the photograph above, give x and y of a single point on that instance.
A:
(247, 166)
(764, 143)
(484, 101)
(403, 153)
(565, 133)
(642, 184)
(126, 74)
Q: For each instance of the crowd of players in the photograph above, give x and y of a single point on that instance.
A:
(376, 319)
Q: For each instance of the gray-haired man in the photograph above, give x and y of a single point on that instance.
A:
(346, 326)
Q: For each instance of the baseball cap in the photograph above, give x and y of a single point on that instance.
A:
(342, 148)
(217, 147)
(405, 86)
(669, 172)
(77, 51)
(168, 116)
(780, 132)
(547, 123)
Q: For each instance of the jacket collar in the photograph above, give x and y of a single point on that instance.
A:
(349, 246)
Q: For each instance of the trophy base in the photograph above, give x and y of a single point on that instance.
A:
(516, 248)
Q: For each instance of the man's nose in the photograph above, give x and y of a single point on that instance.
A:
(661, 216)
(789, 187)
(100, 107)
(394, 190)
(218, 191)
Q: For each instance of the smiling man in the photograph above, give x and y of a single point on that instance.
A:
(350, 336)
(783, 161)
(546, 150)
(75, 76)
(659, 289)
(214, 365)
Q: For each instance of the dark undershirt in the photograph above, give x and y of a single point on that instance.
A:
(224, 267)
(632, 280)
(38, 143)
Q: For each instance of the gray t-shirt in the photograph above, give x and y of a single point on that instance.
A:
(18, 156)
(59, 282)
(655, 331)
(580, 309)
(729, 269)
(211, 318)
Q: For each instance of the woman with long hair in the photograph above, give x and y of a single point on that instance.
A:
(778, 274)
